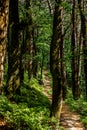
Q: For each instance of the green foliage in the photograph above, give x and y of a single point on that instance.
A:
(79, 105)
(50, 91)
(66, 6)
(22, 11)
(43, 21)
(31, 112)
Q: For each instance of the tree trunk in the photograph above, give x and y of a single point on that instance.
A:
(29, 37)
(35, 60)
(55, 61)
(3, 35)
(42, 64)
(22, 59)
(74, 48)
(50, 7)
(63, 72)
(56, 96)
(84, 35)
(13, 81)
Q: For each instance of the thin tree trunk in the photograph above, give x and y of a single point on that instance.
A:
(50, 7)
(42, 64)
(22, 60)
(35, 61)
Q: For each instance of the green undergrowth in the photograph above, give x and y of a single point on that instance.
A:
(79, 105)
(31, 112)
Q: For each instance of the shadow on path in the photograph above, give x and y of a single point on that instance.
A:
(69, 120)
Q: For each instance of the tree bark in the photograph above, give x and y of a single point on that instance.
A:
(3, 34)
(84, 36)
(29, 36)
(35, 60)
(74, 49)
(22, 59)
(50, 7)
(13, 81)
(55, 61)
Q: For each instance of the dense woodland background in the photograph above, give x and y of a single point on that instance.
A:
(36, 37)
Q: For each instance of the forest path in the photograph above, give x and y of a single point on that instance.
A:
(69, 120)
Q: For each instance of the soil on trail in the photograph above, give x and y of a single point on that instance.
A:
(3, 124)
(69, 120)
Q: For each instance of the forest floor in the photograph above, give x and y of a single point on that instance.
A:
(70, 120)
(2, 124)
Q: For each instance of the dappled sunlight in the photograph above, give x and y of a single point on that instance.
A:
(70, 120)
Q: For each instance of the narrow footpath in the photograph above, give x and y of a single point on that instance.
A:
(69, 120)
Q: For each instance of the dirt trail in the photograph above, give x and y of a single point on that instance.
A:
(47, 87)
(69, 120)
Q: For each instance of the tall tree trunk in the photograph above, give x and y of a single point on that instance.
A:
(29, 36)
(3, 34)
(13, 81)
(22, 59)
(84, 36)
(42, 65)
(35, 60)
(74, 65)
(63, 72)
(55, 61)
